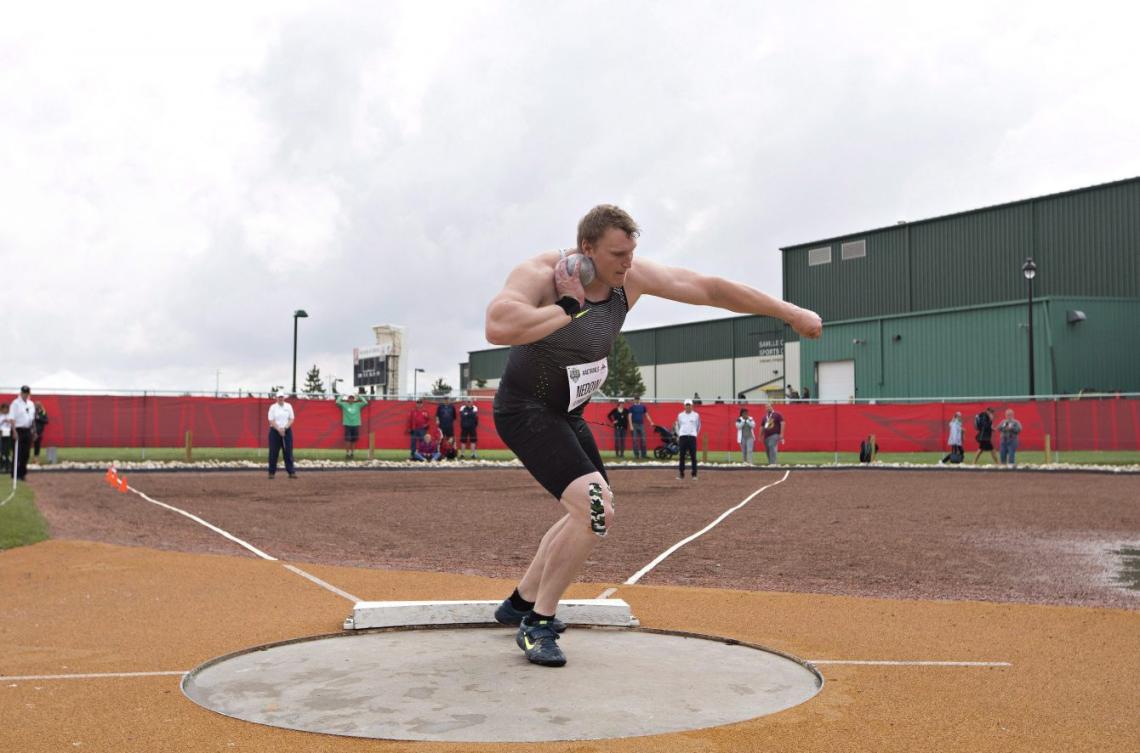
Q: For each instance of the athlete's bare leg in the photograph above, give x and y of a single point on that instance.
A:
(566, 545)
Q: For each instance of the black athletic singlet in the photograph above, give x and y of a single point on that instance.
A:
(544, 371)
(546, 385)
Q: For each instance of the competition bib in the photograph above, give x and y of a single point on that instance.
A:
(585, 379)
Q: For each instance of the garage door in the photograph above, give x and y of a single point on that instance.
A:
(836, 380)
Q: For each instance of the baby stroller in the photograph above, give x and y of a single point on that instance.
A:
(668, 446)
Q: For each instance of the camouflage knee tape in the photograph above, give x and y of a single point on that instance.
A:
(597, 510)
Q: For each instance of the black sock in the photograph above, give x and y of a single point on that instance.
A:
(520, 603)
(534, 618)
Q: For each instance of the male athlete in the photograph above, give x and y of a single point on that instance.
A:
(562, 322)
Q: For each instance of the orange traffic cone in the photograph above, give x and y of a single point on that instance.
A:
(123, 484)
(110, 477)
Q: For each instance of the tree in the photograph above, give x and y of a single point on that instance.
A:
(440, 388)
(314, 386)
(480, 383)
(624, 377)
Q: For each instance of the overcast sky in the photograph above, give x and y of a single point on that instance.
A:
(175, 181)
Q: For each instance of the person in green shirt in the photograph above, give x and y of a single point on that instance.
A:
(350, 408)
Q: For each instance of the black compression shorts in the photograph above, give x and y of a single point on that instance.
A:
(468, 435)
(556, 448)
(351, 433)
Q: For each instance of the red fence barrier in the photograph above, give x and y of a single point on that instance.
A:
(146, 421)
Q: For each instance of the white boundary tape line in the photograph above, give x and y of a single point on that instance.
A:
(90, 676)
(212, 527)
(321, 583)
(250, 547)
(661, 557)
(893, 663)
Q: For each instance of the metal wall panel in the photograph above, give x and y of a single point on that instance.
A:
(875, 284)
(1088, 243)
(1100, 353)
(699, 341)
(971, 259)
(979, 351)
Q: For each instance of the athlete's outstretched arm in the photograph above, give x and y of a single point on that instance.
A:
(524, 310)
(647, 277)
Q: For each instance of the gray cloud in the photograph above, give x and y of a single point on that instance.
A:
(178, 187)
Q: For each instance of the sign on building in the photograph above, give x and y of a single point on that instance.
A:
(771, 348)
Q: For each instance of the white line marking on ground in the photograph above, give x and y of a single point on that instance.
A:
(92, 676)
(892, 663)
(212, 527)
(250, 547)
(607, 593)
(657, 561)
(321, 583)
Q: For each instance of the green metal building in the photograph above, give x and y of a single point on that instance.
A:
(938, 308)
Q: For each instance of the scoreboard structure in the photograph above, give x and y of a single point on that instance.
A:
(371, 367)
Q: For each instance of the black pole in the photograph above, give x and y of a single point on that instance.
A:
(1032, 390)
(294, 354)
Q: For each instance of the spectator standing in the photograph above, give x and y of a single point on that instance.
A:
(23, 413)
(7, 429)
(418, 423)
(697, 398)
(687, 427)
(745, 435)
(281, 434)
(468, 427)
(41, 424)
(773, 434)
(445, 419)
(619, 419)
(984, 423)
(350, 408)
(1010, 430)
(638, 415)
(806, 394)
(955, 441)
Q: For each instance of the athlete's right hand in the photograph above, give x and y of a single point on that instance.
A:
(567, 284)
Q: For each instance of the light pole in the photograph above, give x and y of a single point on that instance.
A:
(1029, 269)
(415, 376)
(298, 314)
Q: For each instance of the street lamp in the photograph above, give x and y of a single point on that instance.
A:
(1029, 269)
(298, 314)
(415, 375)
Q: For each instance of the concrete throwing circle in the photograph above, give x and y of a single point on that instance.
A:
(475, 685)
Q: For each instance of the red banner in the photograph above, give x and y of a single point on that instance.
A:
(145, 421)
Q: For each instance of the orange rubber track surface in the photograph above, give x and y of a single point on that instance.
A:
(71, 606)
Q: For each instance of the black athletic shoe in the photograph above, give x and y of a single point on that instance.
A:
(270, 476)
(508, 615)
(292, 475)
(540, 644)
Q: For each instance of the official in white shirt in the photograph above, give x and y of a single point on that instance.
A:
(687, 427)
(23, 414)
(281, 434)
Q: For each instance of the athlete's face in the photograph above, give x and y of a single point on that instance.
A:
(612, 256)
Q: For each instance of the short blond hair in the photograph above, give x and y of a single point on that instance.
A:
(601, 218)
